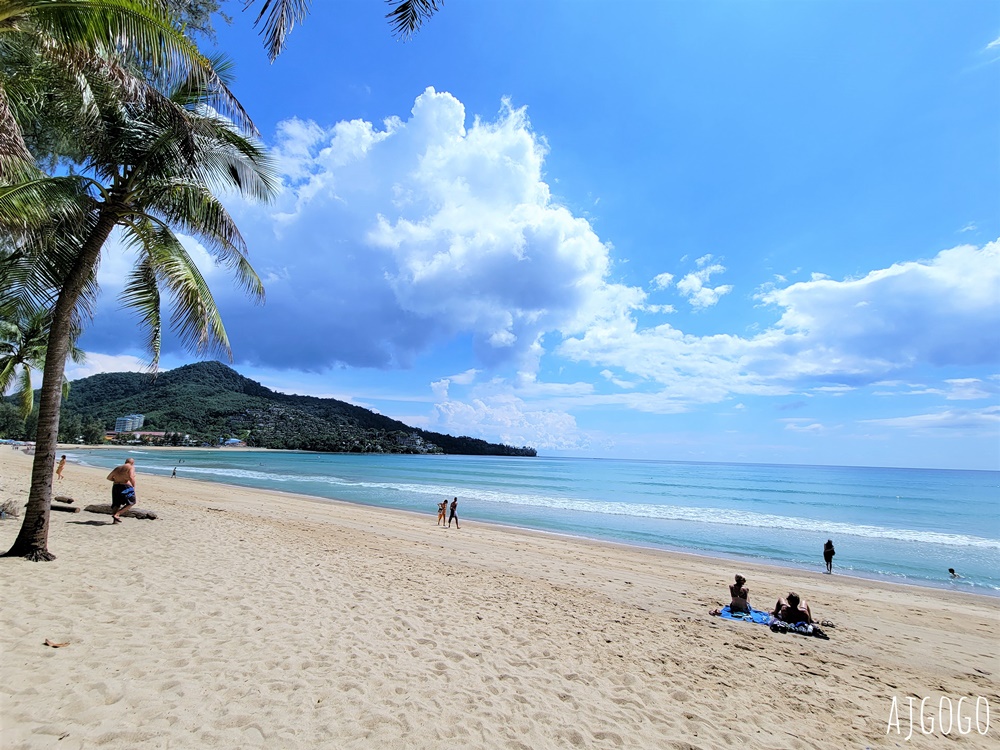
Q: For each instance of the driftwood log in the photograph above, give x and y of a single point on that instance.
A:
(132, 512)
(65, 508)
(63, 499)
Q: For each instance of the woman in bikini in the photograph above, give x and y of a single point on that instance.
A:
(740, 598)
(740, 594)
(442, 512)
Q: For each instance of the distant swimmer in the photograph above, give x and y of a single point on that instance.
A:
(953, 574)
(828, 553)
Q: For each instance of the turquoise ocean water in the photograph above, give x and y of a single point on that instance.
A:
(905, 525)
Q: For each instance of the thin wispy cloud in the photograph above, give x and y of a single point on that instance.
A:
(986, 420)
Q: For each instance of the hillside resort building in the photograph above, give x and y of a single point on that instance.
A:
(129, 423)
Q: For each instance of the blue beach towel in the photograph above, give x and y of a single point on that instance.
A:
(754, 615)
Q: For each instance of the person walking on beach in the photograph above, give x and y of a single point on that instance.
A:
(173, 474)
(442, 512)
(828, 553)
(454, 513)
(60, 467)
(122, 488)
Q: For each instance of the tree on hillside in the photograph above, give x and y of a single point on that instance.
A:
(11, 421)
(146, 168)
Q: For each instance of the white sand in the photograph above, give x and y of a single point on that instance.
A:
(246, 618)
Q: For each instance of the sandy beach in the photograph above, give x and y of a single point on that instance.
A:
(244, 618)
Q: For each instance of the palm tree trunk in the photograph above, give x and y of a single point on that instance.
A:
(33, 538)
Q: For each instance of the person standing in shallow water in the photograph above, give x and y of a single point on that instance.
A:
(454, 513)
(828, 553)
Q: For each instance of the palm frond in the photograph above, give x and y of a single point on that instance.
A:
(16, 162)
(141, 293)
(25, 394)
(165, 263)
(41, 202)
(8, 370)
(280, 17)
(407, 16)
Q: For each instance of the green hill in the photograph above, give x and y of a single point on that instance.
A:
(209, 401)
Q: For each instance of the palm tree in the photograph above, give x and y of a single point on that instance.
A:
(22, 349)
(148, 171)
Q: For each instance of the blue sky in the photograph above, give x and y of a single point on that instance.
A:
(715, 231)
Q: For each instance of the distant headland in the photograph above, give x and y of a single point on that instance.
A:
(208, 403)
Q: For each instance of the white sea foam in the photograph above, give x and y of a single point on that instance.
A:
(723, 516)
(262, 476)
(681, 513)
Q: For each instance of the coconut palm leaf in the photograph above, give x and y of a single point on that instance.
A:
(138, 32)
(165, 264)
(280, 16)
(407, 16)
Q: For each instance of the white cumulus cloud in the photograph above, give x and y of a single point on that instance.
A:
(414, 232)
(694, 286)
(942, 312)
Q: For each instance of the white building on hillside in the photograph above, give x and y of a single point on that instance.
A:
(129, 423)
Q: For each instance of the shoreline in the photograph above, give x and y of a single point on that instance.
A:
(712, 556)
(992, 470)
(258, 618)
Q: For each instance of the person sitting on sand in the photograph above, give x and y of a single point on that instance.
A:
(792, 610)
(740, 594)
(442, 512)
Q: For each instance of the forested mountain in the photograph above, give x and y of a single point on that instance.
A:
(210, 401)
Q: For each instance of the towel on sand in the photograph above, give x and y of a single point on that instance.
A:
(754, 615)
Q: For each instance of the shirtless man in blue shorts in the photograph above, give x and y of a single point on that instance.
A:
(122, 489)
